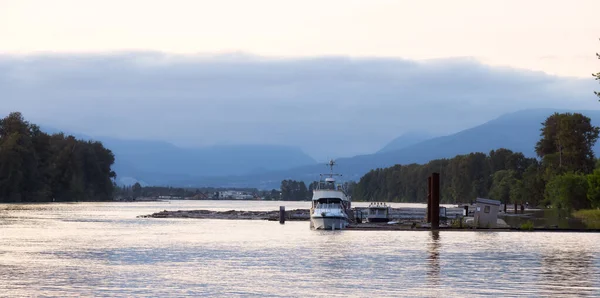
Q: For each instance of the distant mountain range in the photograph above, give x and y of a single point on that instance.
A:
(406, 140)
(517, 131)
(264, 166)
(162, 163)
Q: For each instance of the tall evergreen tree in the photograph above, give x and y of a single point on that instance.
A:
(35, 166)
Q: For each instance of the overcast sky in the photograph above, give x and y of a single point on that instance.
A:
(555, 36)
(335, 78)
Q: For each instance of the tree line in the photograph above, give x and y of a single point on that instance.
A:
(564, 175)
(128, 192)
(462, 178)
(39, 167)
(292, 190)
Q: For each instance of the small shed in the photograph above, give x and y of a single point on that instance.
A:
(486, 213)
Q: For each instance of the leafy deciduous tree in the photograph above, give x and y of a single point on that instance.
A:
(566, 143)
(568, 191)
(593, 194)
(597, 76)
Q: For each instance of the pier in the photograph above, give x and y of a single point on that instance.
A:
(487, 215)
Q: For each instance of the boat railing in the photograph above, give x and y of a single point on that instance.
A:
(378, 205)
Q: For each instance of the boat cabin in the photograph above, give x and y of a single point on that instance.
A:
(327, 192)
(378, 212)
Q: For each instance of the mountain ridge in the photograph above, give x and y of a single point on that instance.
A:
(518, 131)
(153, 162)
(405, 140)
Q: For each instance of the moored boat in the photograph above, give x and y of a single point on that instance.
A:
(378, 212)
(330, 209)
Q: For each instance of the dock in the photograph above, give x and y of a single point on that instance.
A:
(403, 219)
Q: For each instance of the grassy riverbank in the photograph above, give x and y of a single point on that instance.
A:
(590, 217)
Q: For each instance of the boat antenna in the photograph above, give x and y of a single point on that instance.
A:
(331, 164)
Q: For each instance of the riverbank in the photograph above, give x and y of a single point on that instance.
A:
(403, 219)
(395, 214)
(590, 217)
(291, 215)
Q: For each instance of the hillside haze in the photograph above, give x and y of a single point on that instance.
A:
(331, 106)
(162, 163)
(264, 166)
(518, 131)
(406, 140)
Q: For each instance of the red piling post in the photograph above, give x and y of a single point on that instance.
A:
(428, 215)
(435, 201)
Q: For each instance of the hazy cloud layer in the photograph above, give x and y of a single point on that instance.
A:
(329, 106)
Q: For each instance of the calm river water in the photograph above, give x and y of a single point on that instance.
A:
(102, 249)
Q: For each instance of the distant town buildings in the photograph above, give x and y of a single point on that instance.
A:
(234, 195)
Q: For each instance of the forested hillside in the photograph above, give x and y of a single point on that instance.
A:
(566, 175)
(518, 131)
(462, 178)
(38, 167)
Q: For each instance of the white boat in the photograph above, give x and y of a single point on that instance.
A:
(330, 209)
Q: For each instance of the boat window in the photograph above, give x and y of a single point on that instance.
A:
(486, 209)
(329, 200)
(327, 185)
(328, 206)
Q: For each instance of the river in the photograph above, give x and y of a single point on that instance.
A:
(102, 249)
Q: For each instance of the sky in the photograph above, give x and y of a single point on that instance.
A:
(332, 77)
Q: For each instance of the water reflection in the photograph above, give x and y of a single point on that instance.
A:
(567, 272)
(433, 271)
(95, 249)
(547, 218)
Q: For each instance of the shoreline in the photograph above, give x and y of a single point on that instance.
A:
(291, 215)
(407, 220)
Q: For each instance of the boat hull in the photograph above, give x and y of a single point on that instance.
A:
(328, 223)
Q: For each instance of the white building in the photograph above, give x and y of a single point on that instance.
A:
(486, 213)
(234, 195)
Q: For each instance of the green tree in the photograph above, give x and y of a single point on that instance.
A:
(597, 76)
(302, 191)
(274, 195)
(18, 168)
(35, 166)
(532, 185)
(502, 186)
(568, 191)
(593, 193)
(462, 178)
(516, 192)
(566, 143)
(137, 190)
(292, 190)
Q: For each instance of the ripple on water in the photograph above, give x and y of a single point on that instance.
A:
(101, 249)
